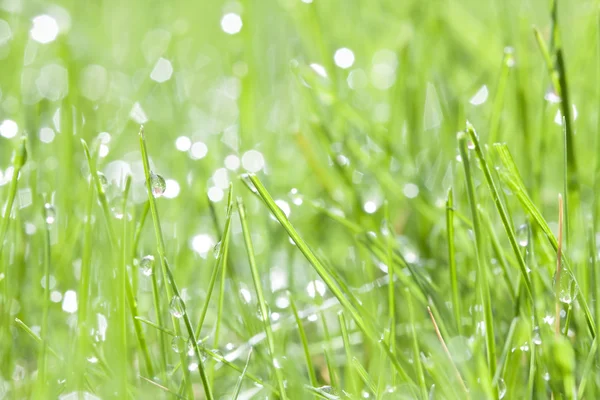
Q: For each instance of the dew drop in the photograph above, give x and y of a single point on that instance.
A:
(501, 388)
(523, 235)
(147, 265)
(179, 344)
(103, 181)
(50, 213)
(565, 285)
(217, 250)
(158, 184)
(177, 307)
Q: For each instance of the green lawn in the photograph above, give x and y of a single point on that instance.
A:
(320, 199)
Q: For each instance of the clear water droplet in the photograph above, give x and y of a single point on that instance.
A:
(566, 292)
(147, 265)
(158, 185)
(501, 388)
(176, 307)
(523, 235)
(471, 145)
(179, 344)
(50, 213)
(260, 315)
(217, 250)
(537, 339)
(103, 181)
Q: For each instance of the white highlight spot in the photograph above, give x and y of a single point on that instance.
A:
(411, 190)
(215, 194)
(480, 97)
(370, 207)
(319, 69)
(162, 70)
(202, 244)
(44, 30)
(344, 58)
(316, 287)
(172, 189)
(231, 23)
(183, 143)
(198, 150)
(70, 302)
(232, 162)
(253, 161)
(9, 128)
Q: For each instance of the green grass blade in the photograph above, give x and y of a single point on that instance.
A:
(169, 282)
(482, 272)
(263, 308)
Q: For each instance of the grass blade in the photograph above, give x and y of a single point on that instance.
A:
(265, 314)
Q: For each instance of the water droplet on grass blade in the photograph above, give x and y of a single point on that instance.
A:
(217, 250)
(179, 344)
(501, 388)
(157, 184)
(147, 265)
(176, 307)
(50, 213)
(103, 181)
(523, 235)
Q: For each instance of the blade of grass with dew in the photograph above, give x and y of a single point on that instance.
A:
(325, 274)
(219, 261)
(499, 207)
(114, 242)
(513, 179)
(238, 385)
(169, 282)
(265, 315)
(482, 276)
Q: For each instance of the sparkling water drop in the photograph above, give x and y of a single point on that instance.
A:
(566, 294)
(176, 307)
(50, 213)
(179, 344)
(147, 265)
(217, 250)
(158, 184)
(523, 235)
(103, 181)
(501, 388)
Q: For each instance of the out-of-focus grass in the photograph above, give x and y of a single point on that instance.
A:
(336, 124)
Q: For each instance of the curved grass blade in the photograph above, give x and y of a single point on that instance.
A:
(327, 277)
